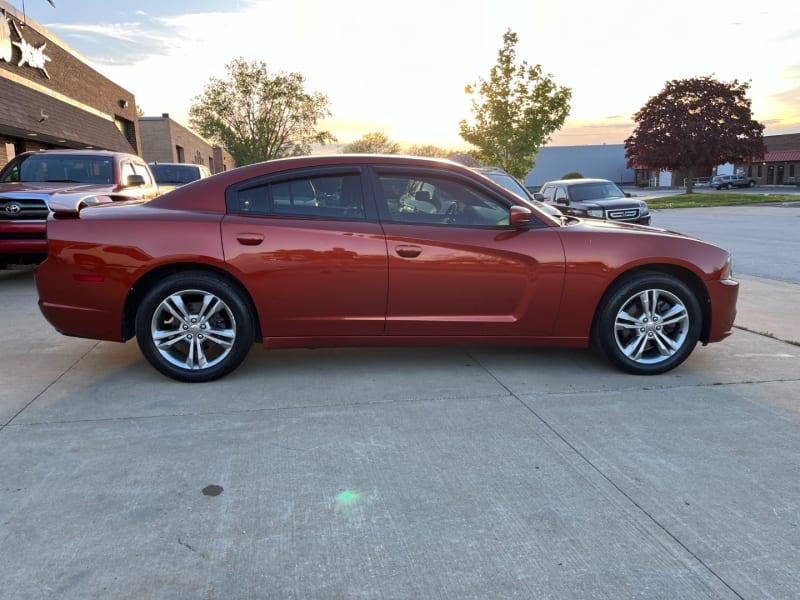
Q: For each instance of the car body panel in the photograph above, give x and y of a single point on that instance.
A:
(307, 279)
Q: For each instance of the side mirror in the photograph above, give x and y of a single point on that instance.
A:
(539, 197)
(628, 195)
(564, 201)
(520, 216)
(134, 180)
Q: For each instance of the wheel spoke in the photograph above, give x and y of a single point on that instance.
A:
(221, 337)
(627, 321)
(636, 347)
(676, 314)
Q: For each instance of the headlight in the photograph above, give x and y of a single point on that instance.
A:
(597, 213)
(644, 209)
(727, 271)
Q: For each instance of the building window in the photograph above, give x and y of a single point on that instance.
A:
(126, 128)
(750, 170)
(759, 171)
(179, 153)
(791, 170)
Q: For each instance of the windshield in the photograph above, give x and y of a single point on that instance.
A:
(508, 182)
(175, 174)
(40, 168)
(595, 191)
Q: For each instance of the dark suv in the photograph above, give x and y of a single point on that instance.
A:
(731, 181)
(595, 199)
(32, 180)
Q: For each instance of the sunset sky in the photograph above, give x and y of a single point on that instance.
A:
(401, 68)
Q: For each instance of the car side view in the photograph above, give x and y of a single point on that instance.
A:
(369, 250)
(727, 182)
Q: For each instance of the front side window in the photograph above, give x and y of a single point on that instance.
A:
(144, 171)
(324, 197)
(437, 200)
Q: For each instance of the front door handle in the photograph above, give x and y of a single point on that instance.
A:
(408, 251)
(250, 239)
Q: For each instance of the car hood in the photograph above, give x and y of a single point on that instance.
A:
(623, 227)
(52, 187)
(610, 203)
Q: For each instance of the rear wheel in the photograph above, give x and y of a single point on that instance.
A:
(648, 324)
(194, 327)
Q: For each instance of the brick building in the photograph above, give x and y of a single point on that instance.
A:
(165, 140)
(780, 164)
(51, 98)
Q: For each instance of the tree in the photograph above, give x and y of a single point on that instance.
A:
(428, 150)
(373, 143)
(698, 122)
(515, 113)
(258, 116)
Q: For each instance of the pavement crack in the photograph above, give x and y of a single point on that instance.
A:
(47, 387)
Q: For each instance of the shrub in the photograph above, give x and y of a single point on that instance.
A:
(572, 175)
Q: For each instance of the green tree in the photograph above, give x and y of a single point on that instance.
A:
(428, 150)
(515, 112)
(259, 116)
(698, 122)
(373, 143)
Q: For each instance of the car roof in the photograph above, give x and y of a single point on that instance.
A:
(574, 181)
(78, 152)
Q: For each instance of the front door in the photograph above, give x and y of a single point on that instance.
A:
(456, 266)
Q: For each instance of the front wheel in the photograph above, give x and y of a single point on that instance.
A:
(648, 324)
(194, 327)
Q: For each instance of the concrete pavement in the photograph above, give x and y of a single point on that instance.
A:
(398, 473)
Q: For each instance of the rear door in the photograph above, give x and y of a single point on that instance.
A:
(311, 251)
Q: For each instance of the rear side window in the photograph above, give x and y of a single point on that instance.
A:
(322, 197)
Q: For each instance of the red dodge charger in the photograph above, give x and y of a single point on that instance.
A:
(372, 250)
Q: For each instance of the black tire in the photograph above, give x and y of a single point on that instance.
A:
(648, 323)
(194, 327)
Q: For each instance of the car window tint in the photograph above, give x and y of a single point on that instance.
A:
(325, 197)
(144, 171)
(592, 191)
(126, 170)
(438, 201)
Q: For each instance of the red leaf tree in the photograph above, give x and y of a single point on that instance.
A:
(698, 122)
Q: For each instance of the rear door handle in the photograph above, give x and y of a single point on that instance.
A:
(250, 239)
(408, 251)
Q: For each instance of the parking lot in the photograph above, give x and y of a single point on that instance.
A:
(410, 473)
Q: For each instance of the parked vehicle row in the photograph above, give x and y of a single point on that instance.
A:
(373, 250)
(32, 180)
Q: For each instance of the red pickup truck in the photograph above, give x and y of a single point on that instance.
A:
(32, 180)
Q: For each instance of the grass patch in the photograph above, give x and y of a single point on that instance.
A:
(717, 199)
